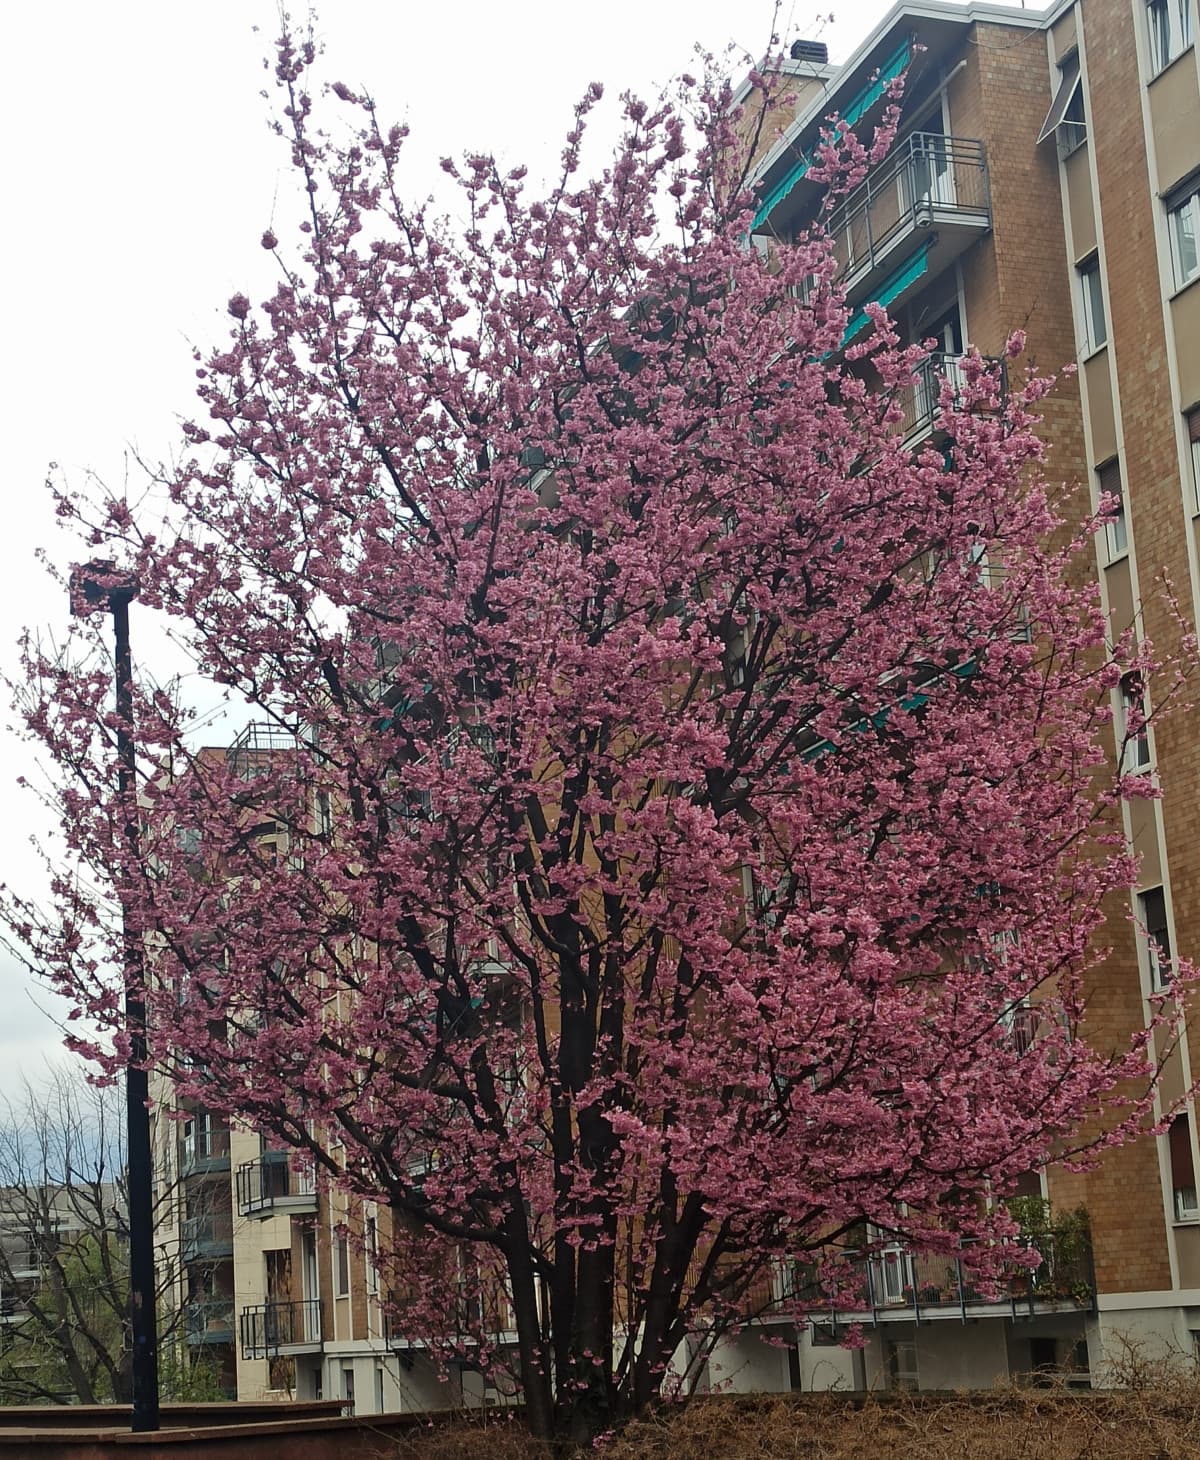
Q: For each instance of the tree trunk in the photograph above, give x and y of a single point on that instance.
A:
(536, 1380)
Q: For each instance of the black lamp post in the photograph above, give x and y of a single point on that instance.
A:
(95, 585)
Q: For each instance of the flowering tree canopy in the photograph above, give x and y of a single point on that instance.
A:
(675, 783)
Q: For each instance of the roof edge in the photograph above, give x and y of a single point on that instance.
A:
(941, 10)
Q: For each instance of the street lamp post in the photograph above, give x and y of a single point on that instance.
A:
(95, 585)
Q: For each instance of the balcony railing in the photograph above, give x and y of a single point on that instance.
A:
(920, 400)
(207, 1237)
(208, 1320)
(24, 1262)
(927, 181)
(896, 1283)
(277, 1181)
(258, 747)
(14, 1299)
(205, 1149)
(268, 1329)
(473, 1313)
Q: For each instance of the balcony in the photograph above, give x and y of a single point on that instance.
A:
(931, 193)
(897, 1285)
(24, 1263)
(208, 1320)
(920, 400)
(270, 1329)
(277, 1182)
(473, 1313)
(14, 1300)
(207, 1238)
(205, 1150)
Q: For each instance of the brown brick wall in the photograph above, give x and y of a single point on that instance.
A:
(1019, 278)
(1127, 1188)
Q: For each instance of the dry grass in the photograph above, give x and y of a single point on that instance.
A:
(1156, 1423)
(1004, 1425)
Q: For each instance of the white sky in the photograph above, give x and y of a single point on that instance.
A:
(139, 174)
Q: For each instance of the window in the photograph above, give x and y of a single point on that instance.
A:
(902, 1364)
(1072, 130)
(348, 1389)
(371, 1255)
(1183, 226)
(1091, 292)
(892, 1275)
(1133, 738)
(1152, 914)
(342, 1275)
(1192, 422)
(1066, 118)
(1170, 26)
(1020, 1024)
(1116, 529)
(1183, 1175)
(805, 289)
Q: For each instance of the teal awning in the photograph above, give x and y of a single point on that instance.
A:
(891, 289)
(915, 700)
(853, 114)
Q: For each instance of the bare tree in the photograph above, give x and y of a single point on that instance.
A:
(64, 1253)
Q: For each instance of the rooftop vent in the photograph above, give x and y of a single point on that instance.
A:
(815, 51)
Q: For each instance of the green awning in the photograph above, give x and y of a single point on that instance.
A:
(891, 289)
(853, 114)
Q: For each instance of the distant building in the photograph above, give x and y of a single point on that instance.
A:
(275, 1294)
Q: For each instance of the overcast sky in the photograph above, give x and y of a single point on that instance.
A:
(139, 174)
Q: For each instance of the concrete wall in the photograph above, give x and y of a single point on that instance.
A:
(749, 1364)
(1124, 1344)
(962, 1356)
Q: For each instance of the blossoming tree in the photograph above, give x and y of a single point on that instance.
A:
(679, 781)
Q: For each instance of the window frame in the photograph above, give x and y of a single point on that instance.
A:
(1072, 132)
(1067, 117)
(1154, 935)
(1116, 529)
(1191, 426)
(1131, 692)
(1168, 32)
(370, 1255)
(1184, 202)
(1092, 312)
(341, 1266)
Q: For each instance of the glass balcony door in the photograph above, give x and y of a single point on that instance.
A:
(931, 175)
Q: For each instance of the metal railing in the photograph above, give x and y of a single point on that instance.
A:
(920, 399)
(895, 1281)
(254, 751)
(205, 1149)
(207, 1237)
(276, 1179)
(208, 1320)
(268, 1328)
(471, 1314)
(925, 178)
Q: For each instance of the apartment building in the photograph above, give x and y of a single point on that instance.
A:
(270, 1269)
(1046, 177)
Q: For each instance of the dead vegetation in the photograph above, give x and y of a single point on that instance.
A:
(1161, 1422)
